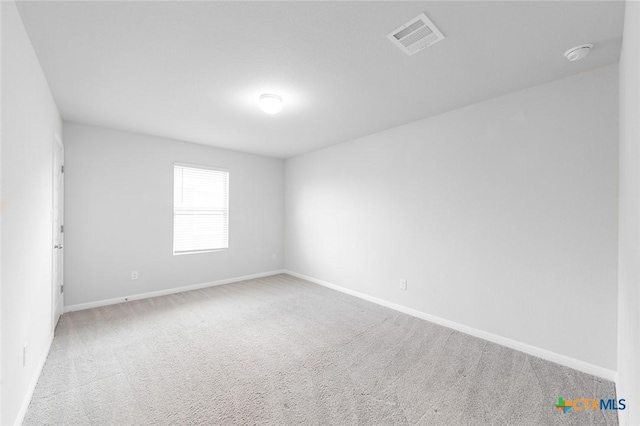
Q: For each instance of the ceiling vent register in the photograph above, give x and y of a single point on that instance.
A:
(415, 35)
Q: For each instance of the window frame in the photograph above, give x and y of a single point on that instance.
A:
(173, 207)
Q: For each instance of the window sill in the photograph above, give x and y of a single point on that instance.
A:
(199, 251)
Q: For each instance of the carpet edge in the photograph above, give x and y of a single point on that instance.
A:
(149, 295)
(526, 348)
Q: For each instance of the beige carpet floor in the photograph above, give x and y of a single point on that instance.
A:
(283, 351)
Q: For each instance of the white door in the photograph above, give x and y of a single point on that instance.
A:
(58, 230)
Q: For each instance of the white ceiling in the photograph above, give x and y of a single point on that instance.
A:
(194, 70)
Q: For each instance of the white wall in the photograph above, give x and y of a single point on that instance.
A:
(29, 119)
(119, 215)
(629, 227)
(1, 102)
(501, 215)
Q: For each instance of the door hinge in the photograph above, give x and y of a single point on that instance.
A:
(61, 229)
(61, 169)
(62, 289)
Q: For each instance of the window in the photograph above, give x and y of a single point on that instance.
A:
(200, 209)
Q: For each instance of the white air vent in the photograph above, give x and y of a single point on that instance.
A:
(415, 35)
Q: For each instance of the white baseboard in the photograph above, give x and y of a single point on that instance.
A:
(32, 385)
(114, 301)
(545, 354)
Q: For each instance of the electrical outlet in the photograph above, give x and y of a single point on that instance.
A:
(24, 355)
(134, 275)
(403, 284)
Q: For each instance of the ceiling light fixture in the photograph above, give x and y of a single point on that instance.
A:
(270, 103)
(578, 52)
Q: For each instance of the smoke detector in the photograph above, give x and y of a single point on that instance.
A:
(578, 52)
(415, 35)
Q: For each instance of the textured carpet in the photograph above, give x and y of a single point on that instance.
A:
(283, 351)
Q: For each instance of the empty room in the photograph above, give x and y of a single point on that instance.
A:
(320, 213)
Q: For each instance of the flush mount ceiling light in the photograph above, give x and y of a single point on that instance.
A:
(270, 103)
(578, 52)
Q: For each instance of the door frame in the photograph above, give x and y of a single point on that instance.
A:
(57, 296)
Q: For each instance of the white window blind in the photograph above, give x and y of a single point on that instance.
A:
(200, 209)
